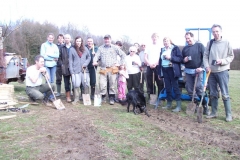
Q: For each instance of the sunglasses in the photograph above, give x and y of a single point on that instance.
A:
(143, 45)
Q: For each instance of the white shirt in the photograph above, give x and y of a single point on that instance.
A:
(133, 69)
(31, 71)
(153, 53)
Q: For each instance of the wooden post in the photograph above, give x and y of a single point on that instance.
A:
(2, 60)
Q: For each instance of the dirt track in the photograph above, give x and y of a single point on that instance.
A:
(70, 134)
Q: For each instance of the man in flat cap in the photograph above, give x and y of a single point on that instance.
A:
(107, 54)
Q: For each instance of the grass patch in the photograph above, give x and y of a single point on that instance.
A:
(14, 140)
(132, 138)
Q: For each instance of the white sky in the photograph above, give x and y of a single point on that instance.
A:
(137, 19)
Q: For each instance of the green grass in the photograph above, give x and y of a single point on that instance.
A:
(13, 138)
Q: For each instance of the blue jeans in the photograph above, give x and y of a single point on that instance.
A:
(222, 79)
(171, 82)
(52, 73)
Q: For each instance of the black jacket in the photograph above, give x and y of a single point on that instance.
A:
(64, 60)
(196, 52)
(90, 51)
(176, 59)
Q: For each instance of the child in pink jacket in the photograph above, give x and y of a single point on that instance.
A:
(122, 82)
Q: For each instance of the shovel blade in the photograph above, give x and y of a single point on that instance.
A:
(86, 99)
(97, 100)
(153, 99)
(200, 114)
(191, 108)
(58, 104)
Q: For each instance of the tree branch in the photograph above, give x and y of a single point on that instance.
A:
(4, 37)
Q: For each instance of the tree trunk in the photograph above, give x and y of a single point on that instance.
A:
(2, 60)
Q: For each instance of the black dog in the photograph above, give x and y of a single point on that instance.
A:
(138, 101)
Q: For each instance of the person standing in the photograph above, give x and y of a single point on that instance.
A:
(193, 61)
(152, 55)
(138, 47)
(92, 49)
(217, 58)
(133, 64)
(79, 58)
(170, 69)
(35, 89)
(122, 80)
(50, 52)
(60, 40)
(143, 67)
(64, 63)
(109, 67)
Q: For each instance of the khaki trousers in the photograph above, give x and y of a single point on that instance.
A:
(112, 83)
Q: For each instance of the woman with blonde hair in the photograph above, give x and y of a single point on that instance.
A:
(170, 69)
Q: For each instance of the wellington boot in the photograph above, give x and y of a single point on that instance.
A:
(76, 96)
(168, 106)
(178, 108)
(58, 90)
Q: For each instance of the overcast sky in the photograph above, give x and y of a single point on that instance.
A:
(137, 19)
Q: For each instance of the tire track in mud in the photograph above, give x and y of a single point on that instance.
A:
(190, 129)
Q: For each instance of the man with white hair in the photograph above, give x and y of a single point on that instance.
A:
(64, 62)
(109, 68)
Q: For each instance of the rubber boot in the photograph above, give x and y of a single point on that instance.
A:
(68, 97)
(80, 96)
(214, 105)
(111, 99)
(104, 99)
(148, 99)
(92, 92)
(168, 106)
(178, 108)
(58, 90)
(227, 107)
(76, 96)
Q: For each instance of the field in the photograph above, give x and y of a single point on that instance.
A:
(109, 132)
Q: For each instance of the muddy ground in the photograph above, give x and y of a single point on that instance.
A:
(73, 134)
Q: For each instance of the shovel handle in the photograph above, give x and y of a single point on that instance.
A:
(153, 82)
(49, 85)
(206, 81)
(205, 86)
(141, 77)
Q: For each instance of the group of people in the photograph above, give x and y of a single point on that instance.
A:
(77, 63)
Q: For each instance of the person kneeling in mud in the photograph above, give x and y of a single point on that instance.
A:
(35, 89)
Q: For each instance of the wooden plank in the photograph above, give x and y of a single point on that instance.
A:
(6, 117)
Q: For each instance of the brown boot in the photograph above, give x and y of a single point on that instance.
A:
(68, 97)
